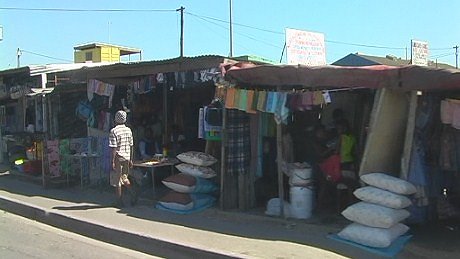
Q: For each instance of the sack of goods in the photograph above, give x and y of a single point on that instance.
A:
(185, 203)
(300, 174)
(197, 158)
(377, 218)
(274, 208)
(191, 190)
(301, 193)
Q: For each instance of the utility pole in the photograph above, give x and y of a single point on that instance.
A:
(231, 28)
(181, 9)
(456, 56)
(19, 53)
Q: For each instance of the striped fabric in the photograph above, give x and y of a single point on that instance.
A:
(121, 138)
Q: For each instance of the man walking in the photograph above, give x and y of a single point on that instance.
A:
(121, 143)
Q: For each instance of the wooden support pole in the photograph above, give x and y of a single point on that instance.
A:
(279, 159)
(223, 154)
(409, 139)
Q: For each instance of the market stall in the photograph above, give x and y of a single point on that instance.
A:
(392, 109)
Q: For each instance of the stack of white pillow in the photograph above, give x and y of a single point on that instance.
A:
(376, 219)
(197, 164)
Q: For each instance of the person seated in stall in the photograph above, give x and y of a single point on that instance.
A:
(346, 146)
(148, 146)
(324, 153)
(328, 162)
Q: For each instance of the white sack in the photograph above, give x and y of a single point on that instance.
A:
(381, 197)
(374, 215)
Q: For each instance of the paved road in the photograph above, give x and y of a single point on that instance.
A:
(24, 238)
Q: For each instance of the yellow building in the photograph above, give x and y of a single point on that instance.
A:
(102, 52)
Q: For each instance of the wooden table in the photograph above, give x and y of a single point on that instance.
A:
(156, 164)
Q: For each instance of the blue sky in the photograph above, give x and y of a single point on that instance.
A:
(388, 23)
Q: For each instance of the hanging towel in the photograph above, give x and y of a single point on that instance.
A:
(318, 98)
(327, 97)
(255, 100)
(242, 100)
(237, 98)
(230, 98)
(272, 101)
(281, 112)
(261, 102)
(306, 101)
(292, 100)
(91, 88)
(250, 100)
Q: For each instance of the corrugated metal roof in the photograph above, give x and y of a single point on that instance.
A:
(357, 59)
(33, 70)
(326, 77)
(141, 68)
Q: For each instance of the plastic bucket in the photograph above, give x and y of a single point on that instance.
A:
(301, 202)
(301, 177)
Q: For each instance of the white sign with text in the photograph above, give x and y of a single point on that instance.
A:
(305, 48)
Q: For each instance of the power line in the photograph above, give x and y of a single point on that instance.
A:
(282, 33)
(234, 23)
(363, 45)
(225, 37)
(242, 34)
(442, 55)
(84, 10)
(45, 56)
(439, 49)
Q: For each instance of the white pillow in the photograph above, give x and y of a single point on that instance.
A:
(195, 170)
(381, 197)
(179, 187)
(375, 237)
(374, 215)
(390, 183)
(197, 158)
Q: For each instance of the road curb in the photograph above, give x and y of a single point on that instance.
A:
(135, 241)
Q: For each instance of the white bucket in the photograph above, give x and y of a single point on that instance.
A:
(301, 202)
(301, 177)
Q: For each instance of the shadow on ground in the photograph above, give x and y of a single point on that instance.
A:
(248, 225)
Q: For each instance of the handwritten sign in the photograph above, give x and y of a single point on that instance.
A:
(419, 53)
(305, 48)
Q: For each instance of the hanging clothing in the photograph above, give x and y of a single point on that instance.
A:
(100, 88)
(52, 153)
(281, 111)
(250, 101)
(255, 100)
(237, 98)
(230, 98)
(318, 98)
(238, 142)
(262, 100)
(306, 101)
(243, 99)
(272, 102)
